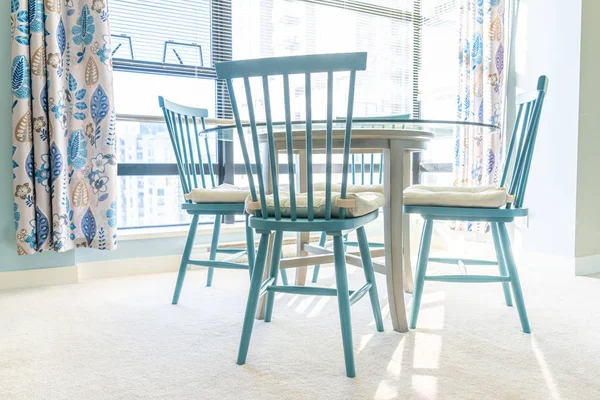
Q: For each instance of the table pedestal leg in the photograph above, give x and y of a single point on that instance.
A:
(265, 158)
(408, 274)
(394, 165)
(303, 237)
(262, 305)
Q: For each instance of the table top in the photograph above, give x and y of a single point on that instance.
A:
(376, 127)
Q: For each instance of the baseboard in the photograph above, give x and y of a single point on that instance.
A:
(11, 280)
(127, 267)
(587, 265)
(581, 266)
(31, 278)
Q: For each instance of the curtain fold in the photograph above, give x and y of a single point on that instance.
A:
(63, 121)
(481, 59)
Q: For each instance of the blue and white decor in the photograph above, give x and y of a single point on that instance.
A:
(63, 126)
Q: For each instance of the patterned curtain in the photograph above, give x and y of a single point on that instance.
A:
(481, 92)
(63, 124)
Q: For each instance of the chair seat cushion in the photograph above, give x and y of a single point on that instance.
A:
(356, 204)
(452, 196)
(224, 193)
(336, 187)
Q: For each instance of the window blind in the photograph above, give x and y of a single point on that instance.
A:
(411, 43)
(163, 37)
(383, 28)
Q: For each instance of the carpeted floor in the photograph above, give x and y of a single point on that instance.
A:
(121, 339)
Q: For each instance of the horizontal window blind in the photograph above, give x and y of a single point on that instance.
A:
(162, 37)
(411, 43)
(384, 29)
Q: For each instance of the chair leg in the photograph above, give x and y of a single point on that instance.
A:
(501, 264)
(214, 244)
(421, 270)
(365, 256)
(514, 276)
(317, 268)
(408, 273)
(284, 277)
(253, 296)
(250, 250)
(344, 303)
(274, 273)
(189, 244)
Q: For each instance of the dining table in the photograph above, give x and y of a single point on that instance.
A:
(396, 139)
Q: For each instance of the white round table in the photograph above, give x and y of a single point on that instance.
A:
(396, 139)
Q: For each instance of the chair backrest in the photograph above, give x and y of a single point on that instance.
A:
(184, 124)
(361, 158)
(286, 66)
(522, 142)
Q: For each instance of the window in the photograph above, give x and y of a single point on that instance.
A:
(169, 49)
(384, 29)
(438, 86)
(160, 48)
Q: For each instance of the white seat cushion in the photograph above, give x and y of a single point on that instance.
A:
(357, 204)
(336, 187)
(452, 196)
(224, 193)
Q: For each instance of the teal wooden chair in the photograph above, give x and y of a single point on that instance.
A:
(203, 196)
(371, 178)
(303, 214)
(498, 206)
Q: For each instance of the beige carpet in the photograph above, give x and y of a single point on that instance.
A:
(121, 339)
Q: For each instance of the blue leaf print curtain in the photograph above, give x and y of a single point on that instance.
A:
(481, 93)
(63, 126)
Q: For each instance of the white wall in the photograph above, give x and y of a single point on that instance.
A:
(548, 43)
(588, 161)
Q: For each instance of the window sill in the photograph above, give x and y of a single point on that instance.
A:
(175, 231)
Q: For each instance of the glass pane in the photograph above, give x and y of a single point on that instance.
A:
(149, 142)
(280, 28)
(438, 81)
(150, 200)
(439, 150)
(144, 142)
(437, 178)
(439, 66)
(138, 93)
